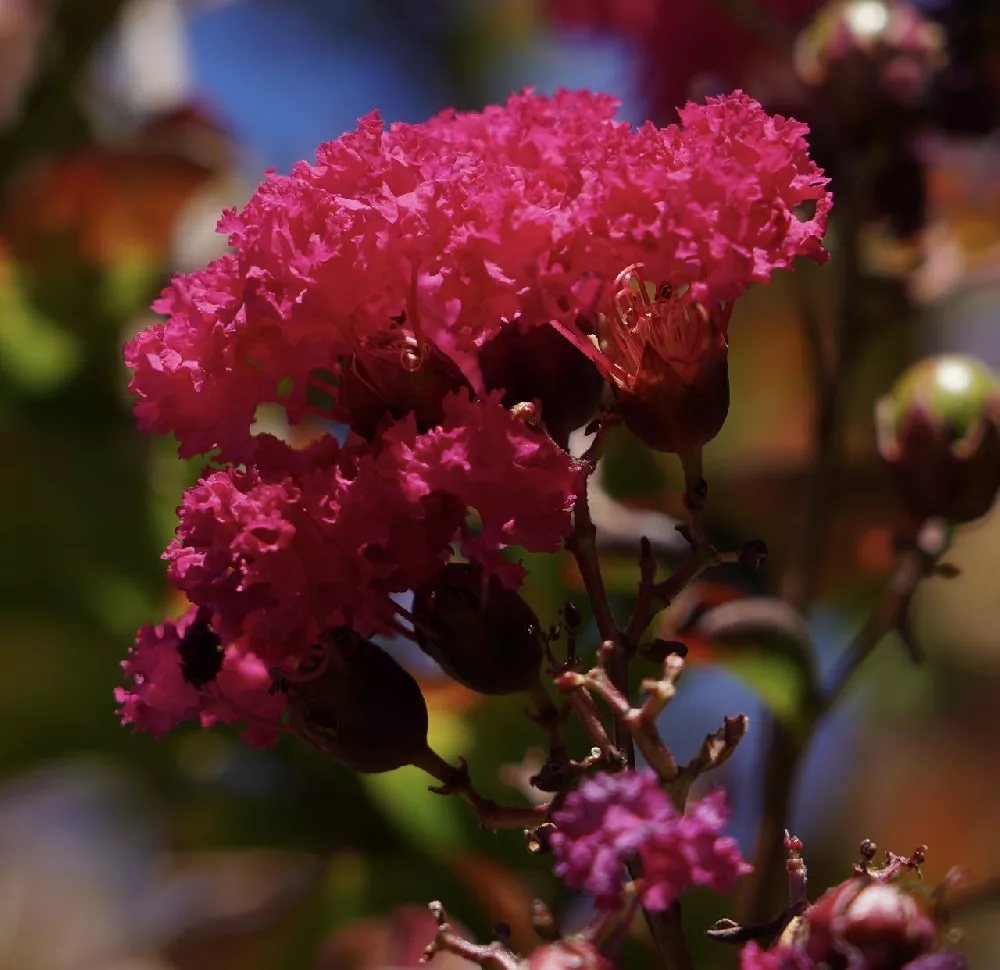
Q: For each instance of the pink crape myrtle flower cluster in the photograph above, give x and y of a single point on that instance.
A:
(368, 288)
(611, 819)
(439, 307)
(444, 304)
(429, 240)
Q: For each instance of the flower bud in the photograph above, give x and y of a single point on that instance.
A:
(359, 706)
(539, 364)
(393, 375)
(483, 635)
(884, 925)
(939, 433)
(568, 954)
(668, 362)
(869, 56)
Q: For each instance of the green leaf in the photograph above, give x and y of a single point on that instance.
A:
(37, 354)
(778, 680)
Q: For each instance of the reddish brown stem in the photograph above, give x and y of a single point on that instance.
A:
(495, 955)
(583, 545)
(455, 781)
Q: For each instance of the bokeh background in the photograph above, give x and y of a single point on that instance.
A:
(125, 127)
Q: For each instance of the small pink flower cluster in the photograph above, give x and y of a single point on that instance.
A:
(611, 819)
(368, 289)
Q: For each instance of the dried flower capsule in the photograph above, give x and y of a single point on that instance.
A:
(538, 363)
(201, 651)
(867, 922)
(939, 433)
(359, 706)
(483, 635)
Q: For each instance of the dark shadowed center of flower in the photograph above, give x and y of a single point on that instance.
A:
(396, 347)
(201, 652)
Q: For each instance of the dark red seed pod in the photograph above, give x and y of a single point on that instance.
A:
(359, 706)
(539, 364)
(392, 376)
(483, 635)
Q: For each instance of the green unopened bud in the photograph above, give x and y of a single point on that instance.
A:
(939, 433)
(360, 707)
(482, 634)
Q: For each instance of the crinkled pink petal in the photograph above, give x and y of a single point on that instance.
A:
(158, 698)
(520, 483)
(304, 541)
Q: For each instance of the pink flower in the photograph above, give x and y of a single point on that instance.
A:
(163, 692)
(663, 338)
(303, 542)
(613, 817)
(521, 486)
(201, 374)
(422, 242)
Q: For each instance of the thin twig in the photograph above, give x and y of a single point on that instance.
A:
(455, 781)
(666, 927)
(914, 564)
(640, 724)
(667, 930)
(583, 545)
(495, 954)
(655, 597)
